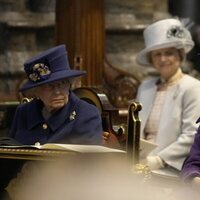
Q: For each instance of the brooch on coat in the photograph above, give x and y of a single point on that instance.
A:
(72, 115)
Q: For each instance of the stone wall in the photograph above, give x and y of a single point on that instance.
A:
(27, 27)
(125, 22)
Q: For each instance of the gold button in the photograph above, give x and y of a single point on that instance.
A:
(44, 126)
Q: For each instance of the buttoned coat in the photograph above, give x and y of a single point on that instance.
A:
(177, 125)
(78, 122)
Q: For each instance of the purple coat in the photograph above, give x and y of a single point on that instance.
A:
(78, 122)
(191, 166)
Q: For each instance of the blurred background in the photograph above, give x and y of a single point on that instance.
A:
(102, 37)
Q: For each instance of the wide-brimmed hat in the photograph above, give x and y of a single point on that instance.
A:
(51, 65)
(163, 34)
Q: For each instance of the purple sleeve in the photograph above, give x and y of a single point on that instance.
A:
(191, 166)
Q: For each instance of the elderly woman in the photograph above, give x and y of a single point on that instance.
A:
(171, 100)
(55, 115)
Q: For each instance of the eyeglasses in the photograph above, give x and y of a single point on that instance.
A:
(61, 85)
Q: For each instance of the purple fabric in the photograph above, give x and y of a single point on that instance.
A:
(191, 166)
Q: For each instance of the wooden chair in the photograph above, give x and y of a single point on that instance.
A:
(116, 136)
(110, 137)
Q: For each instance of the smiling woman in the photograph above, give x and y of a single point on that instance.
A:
(170, 102)
(55, 114)
(166, 61)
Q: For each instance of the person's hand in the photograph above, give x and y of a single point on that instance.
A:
(110, 140)
(105, 135)
(155, 162)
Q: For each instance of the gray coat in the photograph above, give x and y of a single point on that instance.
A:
(177, 126)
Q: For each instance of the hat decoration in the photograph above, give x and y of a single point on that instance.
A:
(176, 31)
(40, 71)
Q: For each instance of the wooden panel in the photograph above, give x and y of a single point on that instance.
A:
(80, 25)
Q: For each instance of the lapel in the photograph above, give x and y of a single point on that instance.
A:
(147, 99)
(34, 113)
(64, 114)
(62, 129)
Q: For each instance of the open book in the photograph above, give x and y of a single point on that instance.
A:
(146, 147)
(70, 147)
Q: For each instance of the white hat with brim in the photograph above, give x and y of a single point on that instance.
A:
(164, 34)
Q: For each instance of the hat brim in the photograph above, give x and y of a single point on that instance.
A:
(68, 74)
(142, 57)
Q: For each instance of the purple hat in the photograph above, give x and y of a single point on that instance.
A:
(51, 65)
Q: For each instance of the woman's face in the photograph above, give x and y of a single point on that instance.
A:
(54, 95)
(166, 61)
